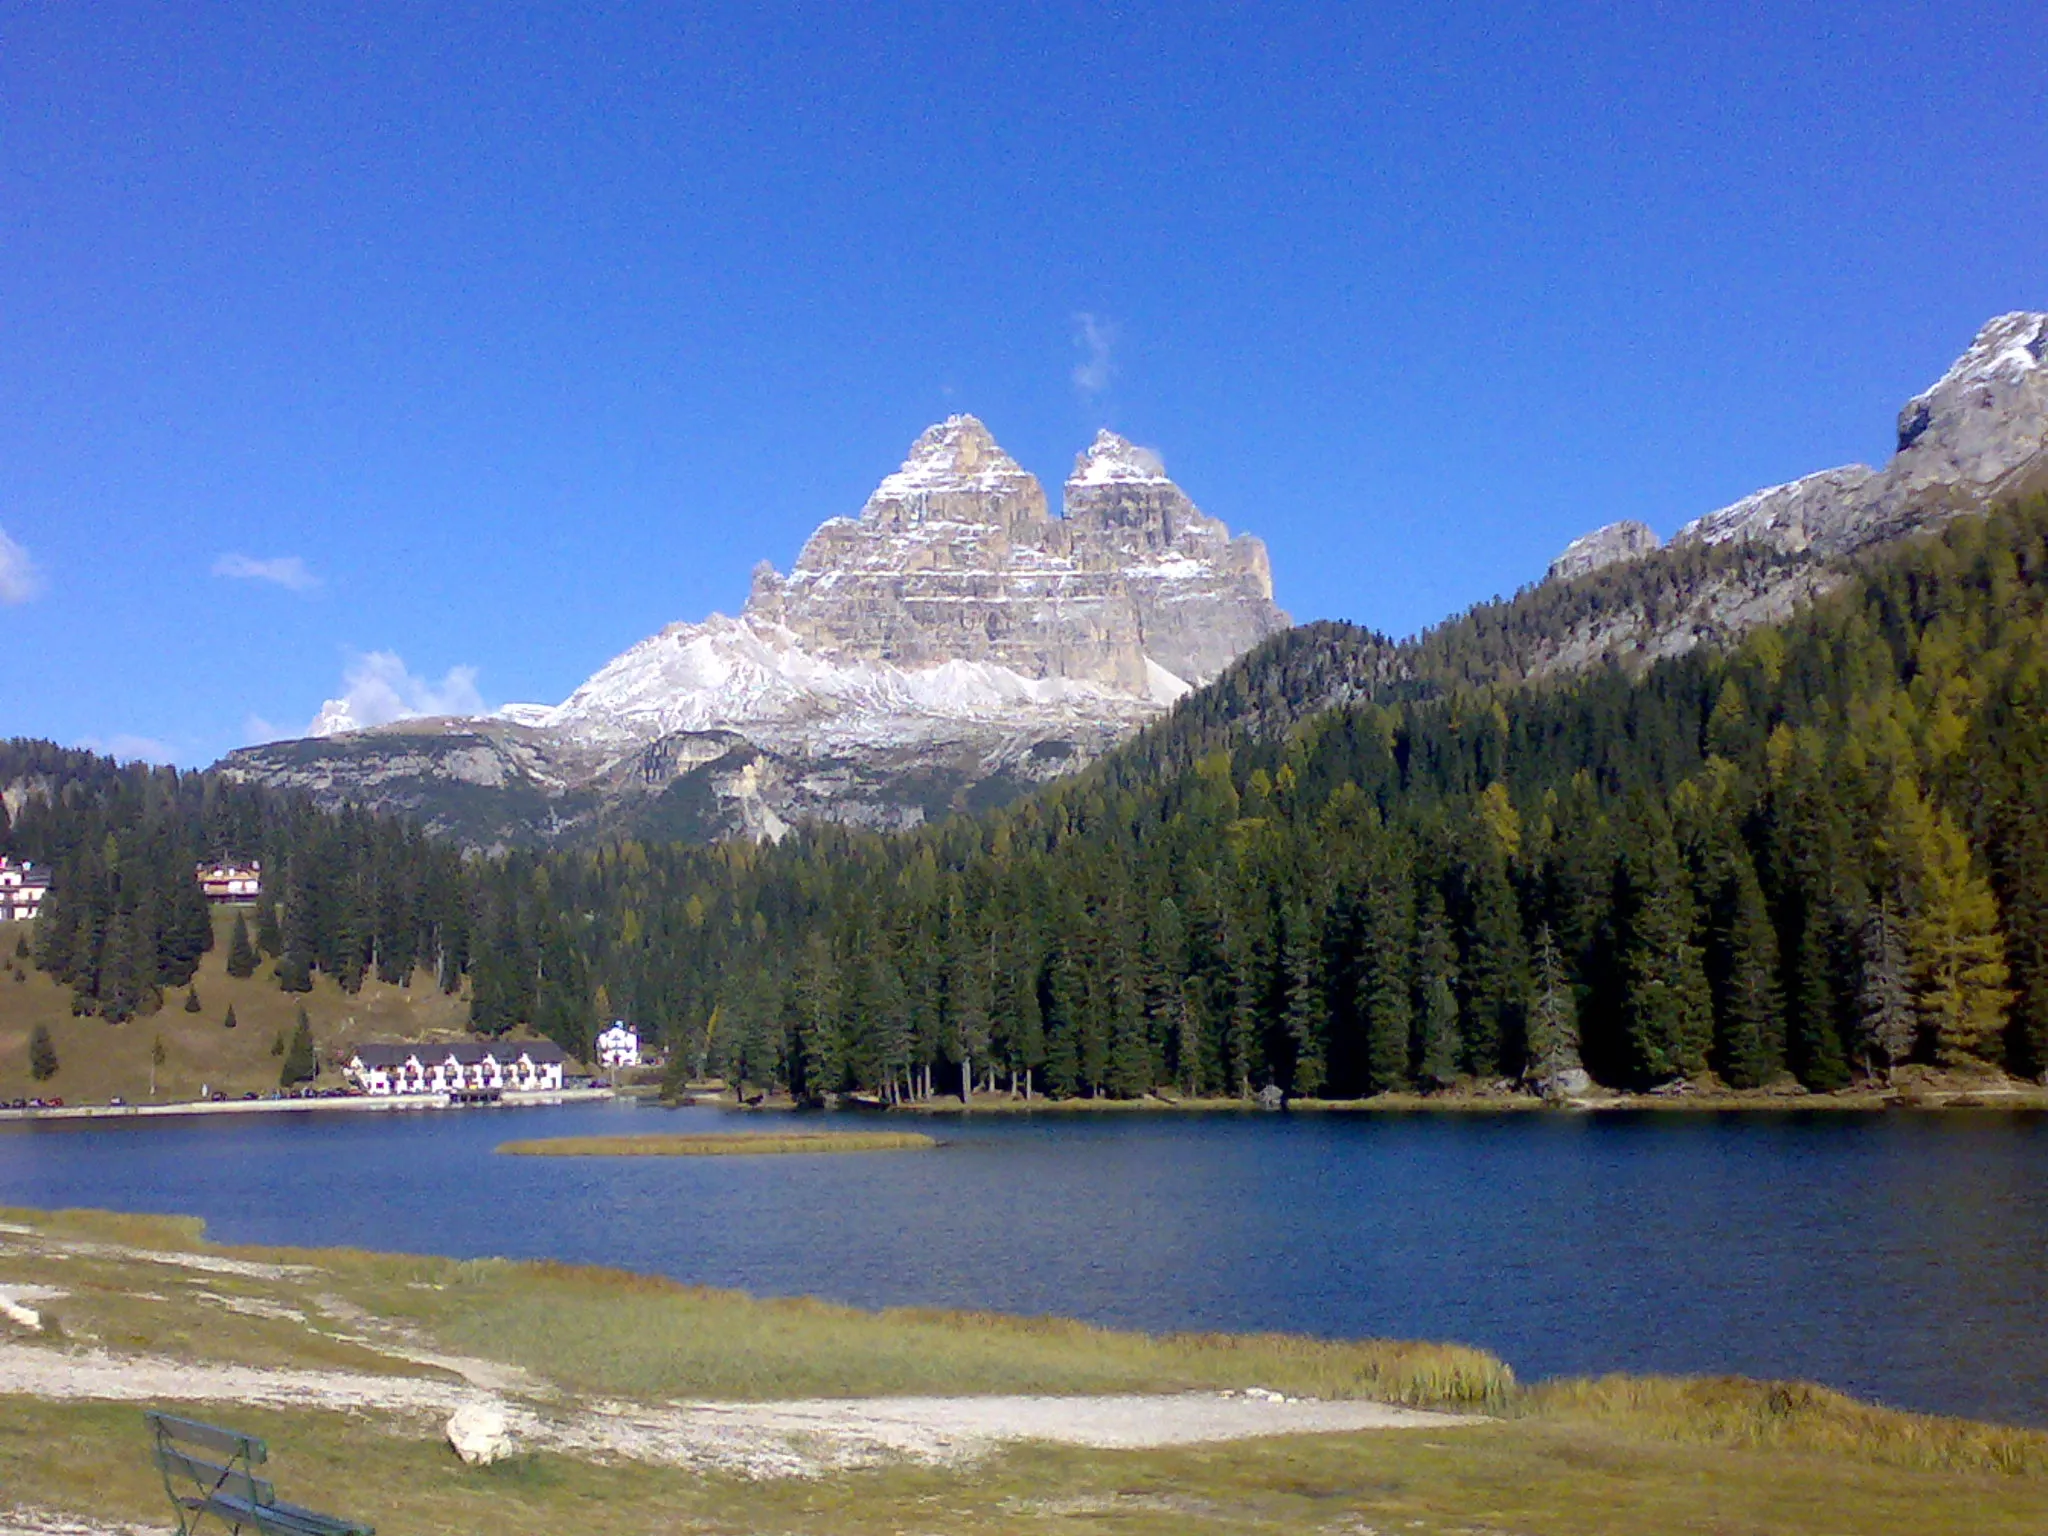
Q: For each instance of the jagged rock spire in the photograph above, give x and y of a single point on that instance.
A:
(957, 473)
(1112, 459)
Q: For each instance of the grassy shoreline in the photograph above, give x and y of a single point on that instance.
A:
(798, 1143)
(1589, 1457)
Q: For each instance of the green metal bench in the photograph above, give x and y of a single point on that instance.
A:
(226, 1488)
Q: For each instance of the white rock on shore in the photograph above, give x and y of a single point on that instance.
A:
(480, 1433)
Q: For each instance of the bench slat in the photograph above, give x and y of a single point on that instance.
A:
(280, 1519)
(211, 1477)
(227, 1442)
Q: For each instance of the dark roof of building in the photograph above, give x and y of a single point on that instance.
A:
(390, 1053)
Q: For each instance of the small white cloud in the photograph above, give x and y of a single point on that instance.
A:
(377, 688)
(1097, 340)
(287, 571)
(19, 578)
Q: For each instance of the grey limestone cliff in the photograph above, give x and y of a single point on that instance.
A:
(952, 643)
(1977, 436)
(956, 557)
(1603, 547)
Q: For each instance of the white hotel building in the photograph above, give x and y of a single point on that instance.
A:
(22, 889)
(505, 1066)
(619, 1046)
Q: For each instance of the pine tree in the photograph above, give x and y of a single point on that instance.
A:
(820, 1042)
(1885, 994)
(1749, 1020)
(1438, 1046)
(269, 932)
(42, 1054)
(1494, 971)
(229, 1021)
(300, 1063)
(1667, 1008)
(968, 992)
(128, 971)
(1383, 970)
(1190, 1039)
(184, 931)
(1165, 979)
(192, 1000)
(1956, 951)
(1553, 1030)
(241, 956)
(1306, 1010)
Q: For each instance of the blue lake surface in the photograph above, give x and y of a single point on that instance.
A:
(1903, 1257)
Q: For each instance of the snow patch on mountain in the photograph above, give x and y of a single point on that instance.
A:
(1113, 460)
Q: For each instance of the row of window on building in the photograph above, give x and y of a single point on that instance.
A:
(25, 886)
(385, 1068)
(22, 889)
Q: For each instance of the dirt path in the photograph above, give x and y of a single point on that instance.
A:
(23, 1521)
(775, 1439)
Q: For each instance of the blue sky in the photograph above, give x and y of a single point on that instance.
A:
(484, 341)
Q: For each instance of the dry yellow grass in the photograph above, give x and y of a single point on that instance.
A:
(1791, 1416)
(1612, 1457)
(719, 1146)
(98, 1060)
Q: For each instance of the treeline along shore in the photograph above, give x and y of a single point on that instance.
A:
(1349, 868)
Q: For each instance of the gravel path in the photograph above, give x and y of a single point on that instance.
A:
(776, 1439)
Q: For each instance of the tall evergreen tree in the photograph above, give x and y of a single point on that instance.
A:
(1885, 993)
(1384, 968)
(1438, 1047)
(1667, 1008)
(301, 1065)
(241, 954)
(1957, 952)
(1553, 1014)
(1749, 1035)
(1306, 1010)
(1494, 970)
(269, 931)
(42, 1054)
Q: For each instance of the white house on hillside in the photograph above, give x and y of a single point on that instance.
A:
(381, 1068)
(619, 1046)
(22, 889)
(231, 882)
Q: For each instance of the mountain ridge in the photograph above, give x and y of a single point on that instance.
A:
(953, 641)
(846, 639)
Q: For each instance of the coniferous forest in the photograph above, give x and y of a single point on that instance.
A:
(1815, 856)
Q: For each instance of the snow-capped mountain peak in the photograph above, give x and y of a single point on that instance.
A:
(1112, 460)
(953, 632)
(951, 468)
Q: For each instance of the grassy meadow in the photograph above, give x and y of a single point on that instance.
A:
(97, 1060)
(720, 1146)
(1617, 1455)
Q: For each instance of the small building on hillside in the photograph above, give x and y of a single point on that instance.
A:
(382, 1068)
(619, 1046)
(22, 889)
(231, 882)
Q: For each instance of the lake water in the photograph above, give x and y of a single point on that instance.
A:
(1903, 1257)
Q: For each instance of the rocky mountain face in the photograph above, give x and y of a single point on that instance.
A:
(952, 644)
(1975, 438)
